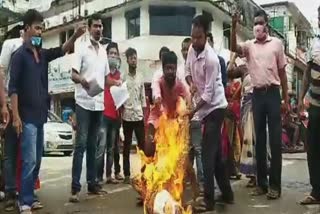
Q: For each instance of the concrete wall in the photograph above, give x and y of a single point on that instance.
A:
(52, 40)
(146, 45)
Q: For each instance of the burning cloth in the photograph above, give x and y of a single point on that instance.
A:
(160, 182)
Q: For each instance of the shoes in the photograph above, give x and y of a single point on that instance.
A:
(111, 180)
(10, 202)
(127, 180)
(203, 207)
(37, 205)
(25, 210)
(119, 177)
(96, 189)
(75, 197)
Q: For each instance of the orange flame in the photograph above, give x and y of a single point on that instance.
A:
(166, 170)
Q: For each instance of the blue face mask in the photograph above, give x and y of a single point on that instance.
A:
(36, 41)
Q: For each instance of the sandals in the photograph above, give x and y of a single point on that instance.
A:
(225, 200)
(252, 183)
(235, 177)
(309, 200)
(112, 181)
(202, 207)
(139, 201)
(37, 205)
(258, 192)
(119, 177)
(273, 194)
(10, 205)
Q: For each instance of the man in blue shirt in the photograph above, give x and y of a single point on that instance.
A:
(28, 90)
(221, 61)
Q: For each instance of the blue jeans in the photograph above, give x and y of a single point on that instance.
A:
(108, 142)
(31, 154)
(10, 160)
(196, 140)
(88, 123)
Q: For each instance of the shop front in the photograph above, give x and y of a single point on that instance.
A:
(61, 87)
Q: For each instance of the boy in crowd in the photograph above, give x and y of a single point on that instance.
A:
(133, 111)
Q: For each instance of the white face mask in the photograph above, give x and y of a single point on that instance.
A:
(259, 32)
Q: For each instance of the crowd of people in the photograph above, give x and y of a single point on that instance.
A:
(235, 114)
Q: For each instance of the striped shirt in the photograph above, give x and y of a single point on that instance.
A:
(313, 57)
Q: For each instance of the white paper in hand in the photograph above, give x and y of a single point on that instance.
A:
(119, 94)
(95, 87)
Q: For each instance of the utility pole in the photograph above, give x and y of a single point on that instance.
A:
(79, 8)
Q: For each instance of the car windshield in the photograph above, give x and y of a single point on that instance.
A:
(53, 118)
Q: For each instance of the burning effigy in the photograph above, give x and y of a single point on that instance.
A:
(160, 183)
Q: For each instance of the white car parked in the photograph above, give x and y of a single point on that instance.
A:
(58, 136)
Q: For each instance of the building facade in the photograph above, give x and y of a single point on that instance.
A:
(288, 20)
(145, 25)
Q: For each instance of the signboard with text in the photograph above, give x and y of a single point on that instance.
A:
(60, 75)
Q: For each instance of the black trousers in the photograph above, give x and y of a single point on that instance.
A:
(266, 104)
(213, 165)
(313, 142)
(128, 128)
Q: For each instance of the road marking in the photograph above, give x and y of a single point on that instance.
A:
(120, 189)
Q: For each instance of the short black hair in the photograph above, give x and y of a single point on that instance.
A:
(210, 37)
(32, 16)
(169, 58)
(202, 21)
(163, 50)
(94, 17)
(112, 45)
(319, 9)
(186, 40)
(14, 32)
(130, 52)
(262, 13)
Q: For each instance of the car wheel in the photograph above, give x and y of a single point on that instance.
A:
(67, 153)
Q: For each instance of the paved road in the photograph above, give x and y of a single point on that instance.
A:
(55, 178)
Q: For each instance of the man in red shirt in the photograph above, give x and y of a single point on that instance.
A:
(166, 92)
(109, 133)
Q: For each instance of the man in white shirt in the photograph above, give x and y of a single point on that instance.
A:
(91, 61)
(133, 111)
(10, 144)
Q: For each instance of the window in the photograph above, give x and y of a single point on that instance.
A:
(165, 20)
(70, 32)
(226, 36)
(291, 24)
(133, 23)
(107, 30)
(277, 23)
(65, 35)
